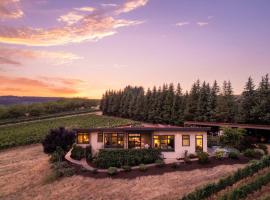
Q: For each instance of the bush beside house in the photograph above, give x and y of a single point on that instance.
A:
(58, 138)
(119, 157)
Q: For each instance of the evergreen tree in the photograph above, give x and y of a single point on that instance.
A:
(226, 104)
(262, 107)
(178, 106)
(213, 98)
(192, 102)
(248, 102)
(168, 103)
(203, 112)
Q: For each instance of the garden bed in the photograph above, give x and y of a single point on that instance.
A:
(155, 170)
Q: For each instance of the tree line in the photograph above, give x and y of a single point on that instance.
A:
(204, 102)
(40, 109)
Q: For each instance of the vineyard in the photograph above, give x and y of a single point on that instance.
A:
(34, 132)
(240, 185)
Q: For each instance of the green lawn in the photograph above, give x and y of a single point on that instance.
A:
(34, 132)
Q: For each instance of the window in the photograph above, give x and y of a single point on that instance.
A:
(134, 141)
(164, 142)
(100, 137)
(83, 138)
(113, 140)
(199, 143)
(185, 140)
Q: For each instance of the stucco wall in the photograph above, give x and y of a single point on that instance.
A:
(178, 151)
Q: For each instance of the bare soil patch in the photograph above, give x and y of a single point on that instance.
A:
(23, 170)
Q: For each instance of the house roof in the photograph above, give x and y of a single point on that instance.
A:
(231, 125)
(142, 129)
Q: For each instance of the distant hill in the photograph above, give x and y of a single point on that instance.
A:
(9, 100)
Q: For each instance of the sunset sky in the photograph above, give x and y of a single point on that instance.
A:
(84, 47)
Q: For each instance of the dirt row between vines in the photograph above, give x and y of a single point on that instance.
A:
(24, 169)
(239, 184)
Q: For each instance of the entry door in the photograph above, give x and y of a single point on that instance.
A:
(199, 143)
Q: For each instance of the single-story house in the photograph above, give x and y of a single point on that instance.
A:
(173, 141)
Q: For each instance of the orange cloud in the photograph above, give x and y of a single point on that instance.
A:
(13, 56)
(10, 9)
(78, 28)
(28, 86)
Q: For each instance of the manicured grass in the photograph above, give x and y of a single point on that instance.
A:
(34, 132)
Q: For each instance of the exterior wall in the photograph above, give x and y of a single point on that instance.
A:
(94, 142)
(179, 150)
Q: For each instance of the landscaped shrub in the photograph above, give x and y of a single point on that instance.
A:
(126, 168)
(250, 153)
(259, 152)
(263, 147)
(219, 154)
(61, 169)
(243, 191)
(142, 167)
(120, 157)
(203, 157)
(58, 155)
(88, 153)
(213, 188)
(233, 155)
(175, 165)
(77, 152)
(248, 142)
(160, 163)
(112, 171)
(58, 138)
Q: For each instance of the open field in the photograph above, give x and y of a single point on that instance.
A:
(23, 170)
(34, 132)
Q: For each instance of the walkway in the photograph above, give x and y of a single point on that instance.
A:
(85, 165)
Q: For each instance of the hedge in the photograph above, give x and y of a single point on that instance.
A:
(213, 188)
(119, 157)
(79, 152)
(243, 191)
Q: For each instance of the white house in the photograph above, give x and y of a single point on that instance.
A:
(173, 141)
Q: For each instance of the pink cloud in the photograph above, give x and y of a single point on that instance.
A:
(10, 9)
(78, 28)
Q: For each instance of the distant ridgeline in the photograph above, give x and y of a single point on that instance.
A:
(45, 106)
(204, 102)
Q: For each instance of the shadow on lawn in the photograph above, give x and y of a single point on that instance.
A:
(151, 171)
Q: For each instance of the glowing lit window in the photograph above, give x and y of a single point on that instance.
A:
(83, 138)
(164, 142)
(185, 140)
(134, 141)
(113, 140)
(199, 143)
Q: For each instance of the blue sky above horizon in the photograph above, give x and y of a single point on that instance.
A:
(82, 48)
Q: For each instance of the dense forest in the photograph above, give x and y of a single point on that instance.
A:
(204, 102)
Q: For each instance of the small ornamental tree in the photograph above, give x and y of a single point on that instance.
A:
(60, 137)
(232, 137)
